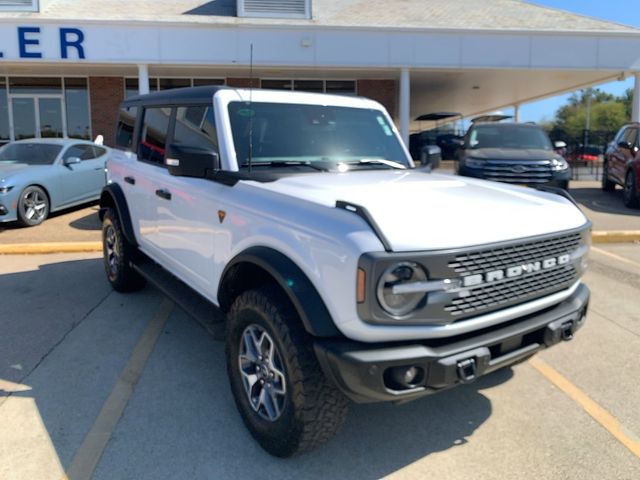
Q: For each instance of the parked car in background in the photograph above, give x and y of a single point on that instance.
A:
(622, 164)
(585, 154)
(40, 176)
(513, 153)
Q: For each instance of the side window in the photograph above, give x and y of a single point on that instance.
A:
(620, 135)
(630, 136)
(98, 151)
(126, 125)
(195, 126)
(80, 151)
(153, 140)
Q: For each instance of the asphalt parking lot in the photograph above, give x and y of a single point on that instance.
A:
(74, 355)
(96, 384)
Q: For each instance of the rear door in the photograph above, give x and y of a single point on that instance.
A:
(187, 217)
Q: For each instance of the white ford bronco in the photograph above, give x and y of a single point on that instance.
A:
(296, 227)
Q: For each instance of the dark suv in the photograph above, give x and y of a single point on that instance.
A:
(622, 164)
(513, 153)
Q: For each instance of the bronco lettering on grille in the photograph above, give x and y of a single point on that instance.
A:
(515, 271)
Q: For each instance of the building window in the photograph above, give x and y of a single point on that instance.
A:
(44, 107)
(131, 85)
(19, 5)
(76, 95)
(337, 87)
(5, 130)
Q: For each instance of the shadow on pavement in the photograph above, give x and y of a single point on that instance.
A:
(181, 421)
(88, 222)
(605, 202)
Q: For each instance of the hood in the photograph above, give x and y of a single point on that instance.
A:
(417, 210)
(8, 170)
(511, 154)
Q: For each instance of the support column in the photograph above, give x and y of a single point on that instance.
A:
(143, 79)
(405, 104)
(635, 101)
(516, 113)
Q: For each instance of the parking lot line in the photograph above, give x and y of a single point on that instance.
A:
(599, 414)
(88, 455)
(617, 257)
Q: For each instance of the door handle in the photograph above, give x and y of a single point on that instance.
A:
(99, 168)
(130, 180)
(162, 193)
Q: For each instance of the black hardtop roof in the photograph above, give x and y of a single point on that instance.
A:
(176, 96)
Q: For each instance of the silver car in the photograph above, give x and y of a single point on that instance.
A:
(40, 176)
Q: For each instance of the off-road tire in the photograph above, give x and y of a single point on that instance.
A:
(314, 409)
(630, 194)
(118, 254)
(607, 185)
(35, 200)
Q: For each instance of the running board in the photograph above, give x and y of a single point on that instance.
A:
(202, 310)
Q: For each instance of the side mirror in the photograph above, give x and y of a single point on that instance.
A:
(71, 161)
(625, 145)
(190, 161)
(430, 156)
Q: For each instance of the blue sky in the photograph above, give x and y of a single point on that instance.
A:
(619, 11)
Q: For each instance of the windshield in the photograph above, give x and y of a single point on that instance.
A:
(29, 153)
(288, 134)
(511, 136)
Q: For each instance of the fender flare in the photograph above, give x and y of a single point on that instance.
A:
(294, 283)
(112, 194)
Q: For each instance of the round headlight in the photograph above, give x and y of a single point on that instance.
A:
(400, 304)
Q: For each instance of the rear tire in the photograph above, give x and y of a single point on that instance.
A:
(33, 206)
(607, 185)
(630, 194)
(118, 254)
(284, 399)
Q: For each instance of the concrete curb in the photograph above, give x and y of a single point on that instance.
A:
(598, 237)
(51, 247)
(612, 236)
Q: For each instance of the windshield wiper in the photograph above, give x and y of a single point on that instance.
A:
(377, 161)
(286, 163)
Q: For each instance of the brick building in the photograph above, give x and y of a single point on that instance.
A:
(66, 64)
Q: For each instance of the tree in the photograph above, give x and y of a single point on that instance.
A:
(607, 114)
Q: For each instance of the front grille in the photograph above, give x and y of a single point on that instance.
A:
(498, 258)
(513, 290)
(521, 289)
(518, 172)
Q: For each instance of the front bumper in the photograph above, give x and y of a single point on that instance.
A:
(370, 372)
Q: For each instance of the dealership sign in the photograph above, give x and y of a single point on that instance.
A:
(32, 43)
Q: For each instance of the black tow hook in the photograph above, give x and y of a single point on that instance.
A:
(567, 331)
(467, 370)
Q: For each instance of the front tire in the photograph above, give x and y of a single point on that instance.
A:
(33, 206)
(607, 185)
(284, 399)
(630, 194)
(118, 254)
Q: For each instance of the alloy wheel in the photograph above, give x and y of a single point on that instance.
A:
(262, 371)
(112, 249)
(34, 206)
